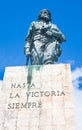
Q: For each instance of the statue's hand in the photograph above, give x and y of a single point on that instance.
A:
(49, 33)
(28, 53)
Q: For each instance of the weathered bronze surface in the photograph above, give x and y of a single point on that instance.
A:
(42, 44)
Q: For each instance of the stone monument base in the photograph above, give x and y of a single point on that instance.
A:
(37, 98)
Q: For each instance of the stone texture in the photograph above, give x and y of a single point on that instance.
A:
(37, 98)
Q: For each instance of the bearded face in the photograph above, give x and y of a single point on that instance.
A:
(44, 15)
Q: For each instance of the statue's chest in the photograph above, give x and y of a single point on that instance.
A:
(41, 25)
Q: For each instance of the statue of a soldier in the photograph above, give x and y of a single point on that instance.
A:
(43, 40)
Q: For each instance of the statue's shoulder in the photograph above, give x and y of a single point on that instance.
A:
(54, 26)
(34, 23)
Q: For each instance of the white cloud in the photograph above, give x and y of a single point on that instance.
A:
(78, 107)
(76, 79)
(76, 75)
(0, 84)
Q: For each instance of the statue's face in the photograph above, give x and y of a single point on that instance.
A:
(45, 15)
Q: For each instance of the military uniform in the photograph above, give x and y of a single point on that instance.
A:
(43, 42)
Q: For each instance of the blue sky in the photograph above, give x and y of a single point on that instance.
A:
(15, 19)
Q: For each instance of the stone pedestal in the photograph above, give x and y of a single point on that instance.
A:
(37, 98)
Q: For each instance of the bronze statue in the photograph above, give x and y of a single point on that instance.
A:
(43, 40)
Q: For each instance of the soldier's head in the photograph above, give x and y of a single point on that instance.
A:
(44, 15)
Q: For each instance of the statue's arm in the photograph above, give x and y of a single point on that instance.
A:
(58, 34)
(28, 41)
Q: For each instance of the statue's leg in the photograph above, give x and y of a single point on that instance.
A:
(50, 54)
(37, 53)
